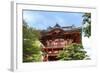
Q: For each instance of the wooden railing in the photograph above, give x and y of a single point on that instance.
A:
(55, 46)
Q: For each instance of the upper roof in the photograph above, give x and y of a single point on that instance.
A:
(57, 26)
(63, 29)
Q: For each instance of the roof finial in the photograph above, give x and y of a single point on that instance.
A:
(57, 25)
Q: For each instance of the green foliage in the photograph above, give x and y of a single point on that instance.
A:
(73, 52)
(31, 44)
(87, 23)
(30, 33)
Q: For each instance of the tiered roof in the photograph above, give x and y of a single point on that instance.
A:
(58, 27)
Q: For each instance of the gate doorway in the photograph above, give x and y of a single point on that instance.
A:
(52, 58)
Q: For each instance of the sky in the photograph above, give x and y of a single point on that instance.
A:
(44, 19)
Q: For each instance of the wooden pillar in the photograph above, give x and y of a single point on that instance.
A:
(45, 58)
(52, 50)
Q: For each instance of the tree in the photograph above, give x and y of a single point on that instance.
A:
(31, 44)
(87, 24)
(73, 52)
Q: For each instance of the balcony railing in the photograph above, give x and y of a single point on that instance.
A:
(55, 46)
